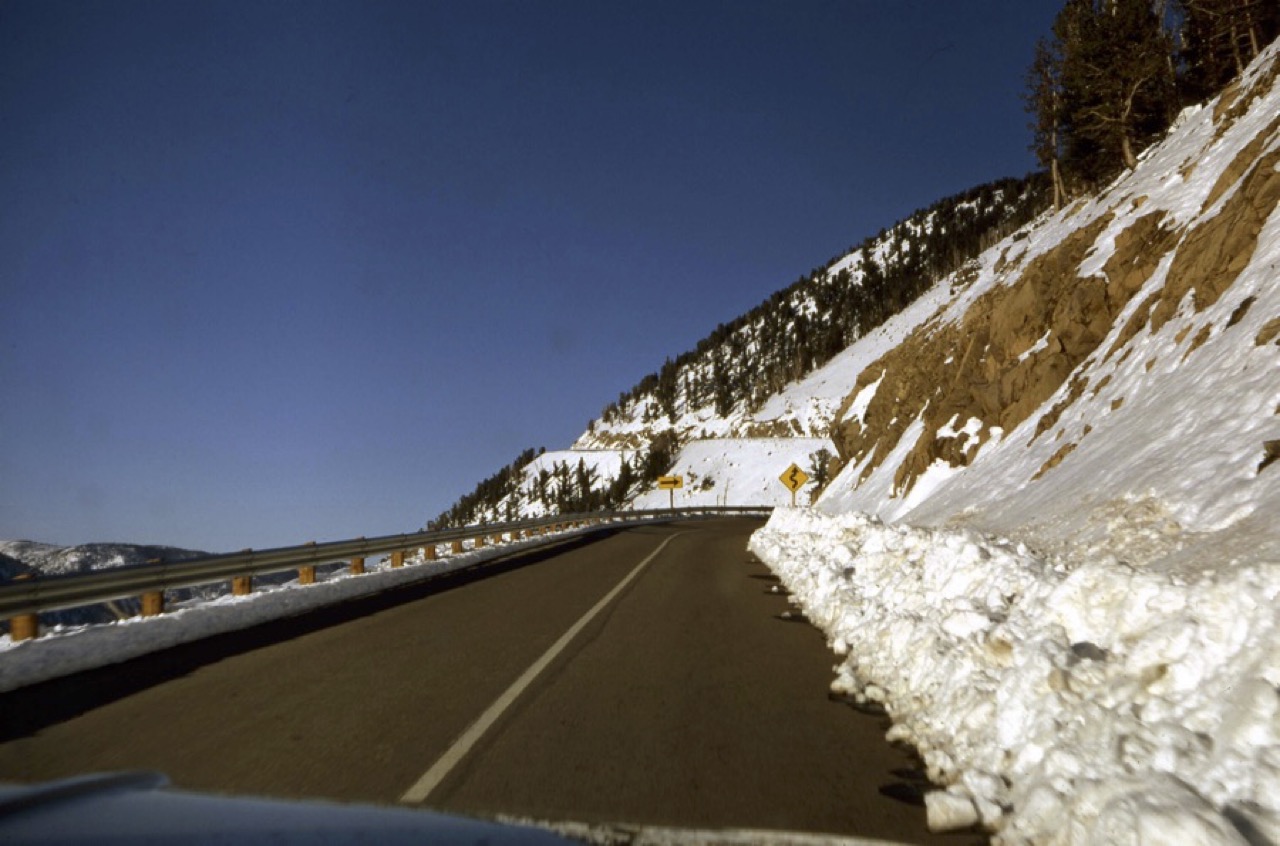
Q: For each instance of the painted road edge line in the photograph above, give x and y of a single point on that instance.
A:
(468, 739)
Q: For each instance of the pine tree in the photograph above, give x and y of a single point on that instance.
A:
(820, 467)
(1044, 101)
(1100, 89)
(1118, 86)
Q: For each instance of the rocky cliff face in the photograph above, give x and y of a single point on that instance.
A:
(1089, 329)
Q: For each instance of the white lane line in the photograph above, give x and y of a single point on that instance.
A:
(455, 753)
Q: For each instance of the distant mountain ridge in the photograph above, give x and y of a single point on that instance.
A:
(25, 559)
(50, 559)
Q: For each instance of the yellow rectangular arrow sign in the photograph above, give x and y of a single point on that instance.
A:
(670, 483)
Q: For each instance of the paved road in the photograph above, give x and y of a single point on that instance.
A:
(681, 699)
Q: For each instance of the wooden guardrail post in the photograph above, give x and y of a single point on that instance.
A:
(357, 565)
(429, 552)
(397, 558)
(479, 541)
(241, 585)
(24, 627)
(153, 603)
(456, 548)
(307, 574)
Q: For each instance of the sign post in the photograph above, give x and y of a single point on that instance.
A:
(669, 484)
(793, 478)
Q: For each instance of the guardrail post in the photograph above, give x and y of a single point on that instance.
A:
(153, 603)
(397, 558)
(456, 548)
(24, 627)
(307, 575)
(429, 552)
(357, 566)
(241, 585)
(497, 539)
(479, 542)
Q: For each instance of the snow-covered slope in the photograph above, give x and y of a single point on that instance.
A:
(776, 372)
(49, 559)
(562, 476)
(741, 471)
(1053, 550)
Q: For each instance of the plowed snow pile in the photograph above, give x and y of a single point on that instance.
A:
(1101, 703)
(1053, 551)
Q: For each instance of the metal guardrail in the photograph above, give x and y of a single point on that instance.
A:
(24, 598)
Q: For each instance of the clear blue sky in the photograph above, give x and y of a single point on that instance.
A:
(275, 272)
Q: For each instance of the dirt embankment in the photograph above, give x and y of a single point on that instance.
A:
(1022, 340)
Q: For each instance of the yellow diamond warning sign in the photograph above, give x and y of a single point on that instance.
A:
(794, 478)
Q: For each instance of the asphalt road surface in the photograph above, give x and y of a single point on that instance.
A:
(645, 676)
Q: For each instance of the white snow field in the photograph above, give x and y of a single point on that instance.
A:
(1087, 651)
(736, 471)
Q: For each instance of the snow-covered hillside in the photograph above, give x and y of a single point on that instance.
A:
(741, 471)
(22, 558)
(1053, 551)
(776, 372)
(771, 372)
(50, 559)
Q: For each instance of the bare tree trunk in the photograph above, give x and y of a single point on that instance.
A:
(1253, 33)
(1235, 47)
(1058, 190)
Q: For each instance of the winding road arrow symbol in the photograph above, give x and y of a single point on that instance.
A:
(793, 478)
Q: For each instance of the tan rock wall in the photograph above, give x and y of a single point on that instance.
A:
(1021, 341)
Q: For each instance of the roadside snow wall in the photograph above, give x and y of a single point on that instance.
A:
(1097, 703)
